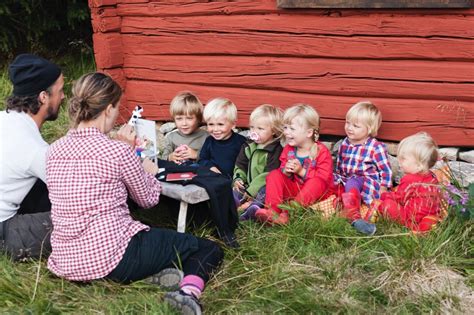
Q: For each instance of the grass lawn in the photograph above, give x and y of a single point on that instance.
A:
(310, 266)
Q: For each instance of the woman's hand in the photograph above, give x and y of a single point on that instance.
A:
(127, 134)
(149, 166)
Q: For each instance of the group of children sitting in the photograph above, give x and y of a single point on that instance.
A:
(265, 174)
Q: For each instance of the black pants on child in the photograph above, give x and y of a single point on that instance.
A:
(151, 251)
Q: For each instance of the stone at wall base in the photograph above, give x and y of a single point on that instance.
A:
(167, 127)
(392, 148)
(467, 156)
(449, 153)
(464, 172)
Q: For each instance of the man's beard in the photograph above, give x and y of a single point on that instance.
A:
(52, 114)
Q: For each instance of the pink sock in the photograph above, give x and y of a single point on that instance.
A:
(192, 285)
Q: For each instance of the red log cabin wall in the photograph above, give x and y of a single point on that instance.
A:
(415, 65)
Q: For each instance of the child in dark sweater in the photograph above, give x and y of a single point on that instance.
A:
(222, 146)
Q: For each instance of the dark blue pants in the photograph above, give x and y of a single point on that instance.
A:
(151, 251)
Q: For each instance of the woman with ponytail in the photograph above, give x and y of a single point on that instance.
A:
(306, 166)
(89, 178)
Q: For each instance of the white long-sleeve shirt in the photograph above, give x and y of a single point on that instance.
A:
(22, 160)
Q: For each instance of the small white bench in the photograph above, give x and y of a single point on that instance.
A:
(188, 194)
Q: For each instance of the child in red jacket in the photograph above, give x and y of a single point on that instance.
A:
(415, 203)
(305, 173)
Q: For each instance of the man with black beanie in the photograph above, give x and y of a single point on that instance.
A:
(25, 220)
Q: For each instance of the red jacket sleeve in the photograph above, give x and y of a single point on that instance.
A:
(323, 173)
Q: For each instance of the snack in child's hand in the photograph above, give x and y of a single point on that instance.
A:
(181, 148)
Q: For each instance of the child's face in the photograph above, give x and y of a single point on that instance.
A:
(186, 124)
(356, 132)
(220, 128)
(262, 127)
(297, 134)
(409, 164)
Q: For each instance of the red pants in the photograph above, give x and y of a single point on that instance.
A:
(407, 216)
(281, 188)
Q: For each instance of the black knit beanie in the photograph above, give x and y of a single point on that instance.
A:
(31, 74)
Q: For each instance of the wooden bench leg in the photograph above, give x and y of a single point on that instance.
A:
(183, 210)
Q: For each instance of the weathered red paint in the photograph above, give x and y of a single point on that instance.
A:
(416, 65)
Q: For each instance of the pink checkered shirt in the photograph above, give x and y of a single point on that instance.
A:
(88, 178)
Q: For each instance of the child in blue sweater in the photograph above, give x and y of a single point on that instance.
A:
(222, 146)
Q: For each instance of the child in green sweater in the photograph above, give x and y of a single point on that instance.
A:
(257, 158)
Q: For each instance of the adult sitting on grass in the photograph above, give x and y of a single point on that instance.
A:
(25, 221)
(89, 177)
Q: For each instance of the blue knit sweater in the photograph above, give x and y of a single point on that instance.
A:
(221, 153)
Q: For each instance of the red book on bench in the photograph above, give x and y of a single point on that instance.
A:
(179, 176)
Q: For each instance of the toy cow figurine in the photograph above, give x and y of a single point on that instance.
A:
(137, 113)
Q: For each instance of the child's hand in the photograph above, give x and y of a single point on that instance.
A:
(174, 158)
(127, 134)
(293, 167)
(383, 189)
(149, 166)
(239, 185)
(215, 170)
(188, 154)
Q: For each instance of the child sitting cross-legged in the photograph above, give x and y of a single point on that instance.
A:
(184, 144)
(415, 202)
(257, 158)
(305, 173)
(221, 148)
(362, 168)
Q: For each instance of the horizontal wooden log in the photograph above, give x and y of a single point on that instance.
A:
(287, 45)
(108, 50)
(118, 75)
(204, 7)
(306, 25)
(101, 3)
(132, 1)
(371, 4)
(387, 79)
(105, 20)
(449, 122)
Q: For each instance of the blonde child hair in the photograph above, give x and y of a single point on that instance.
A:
(274, 116)
(366, 113)
(307, 115)
(422, 147)
(220, 107)
(186, 103)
